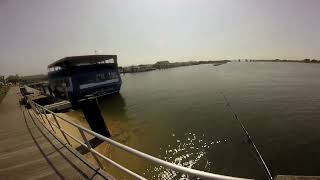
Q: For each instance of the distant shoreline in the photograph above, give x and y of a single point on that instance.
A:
(166, 65)
(314, 61)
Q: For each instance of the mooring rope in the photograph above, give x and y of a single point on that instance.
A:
(247, 134)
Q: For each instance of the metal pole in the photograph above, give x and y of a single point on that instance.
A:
(35, 111)
(89, 147)
(33, 107)
(31, 104)
(50, 123)
(40, 114)
(65, 137)
(45, 113)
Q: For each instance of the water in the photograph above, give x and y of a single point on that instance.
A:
(179, 115)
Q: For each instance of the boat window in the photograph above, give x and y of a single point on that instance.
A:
(56, 68)
(98, 77)
(110, 61)
(83, 64)
(60, 84)
(107, 61)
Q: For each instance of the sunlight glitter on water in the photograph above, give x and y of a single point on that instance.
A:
(188, 151)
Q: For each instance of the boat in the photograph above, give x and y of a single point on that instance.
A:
(74, 77)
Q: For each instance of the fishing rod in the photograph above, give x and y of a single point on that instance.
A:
(247, 134)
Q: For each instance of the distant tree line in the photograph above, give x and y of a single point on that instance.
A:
(164, 65)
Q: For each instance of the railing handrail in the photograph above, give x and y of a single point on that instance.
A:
(172, 166)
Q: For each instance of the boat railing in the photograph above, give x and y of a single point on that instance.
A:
(42, 116)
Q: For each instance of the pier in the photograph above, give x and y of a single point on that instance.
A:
(29, 151)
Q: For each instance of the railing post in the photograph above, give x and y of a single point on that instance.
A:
(89, 147)
(49, 122)
(39, 112)
(31, 104)
(65, 137)
(45, 113)
(33, 107)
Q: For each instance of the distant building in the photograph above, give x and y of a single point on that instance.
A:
(146, 67)
(130, 69)
(162, 64)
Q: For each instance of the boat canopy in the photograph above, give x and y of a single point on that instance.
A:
(78, 60)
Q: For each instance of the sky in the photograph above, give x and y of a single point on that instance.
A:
(35, 33)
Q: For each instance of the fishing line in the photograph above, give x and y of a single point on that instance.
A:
(247, 134)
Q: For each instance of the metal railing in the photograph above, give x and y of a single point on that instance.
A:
(41, 115)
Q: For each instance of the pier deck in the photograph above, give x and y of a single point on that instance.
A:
(28, 153)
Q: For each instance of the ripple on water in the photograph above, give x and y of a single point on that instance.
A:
(188, 151)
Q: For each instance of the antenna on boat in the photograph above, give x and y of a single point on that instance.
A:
(247, 134)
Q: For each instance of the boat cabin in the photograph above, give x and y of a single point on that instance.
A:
(77, 76)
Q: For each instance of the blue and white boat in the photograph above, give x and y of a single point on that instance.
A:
(77, 76)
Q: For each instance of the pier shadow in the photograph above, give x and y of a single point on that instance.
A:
(64, 163)
(31, 130)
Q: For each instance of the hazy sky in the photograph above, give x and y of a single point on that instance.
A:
(34, 33)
